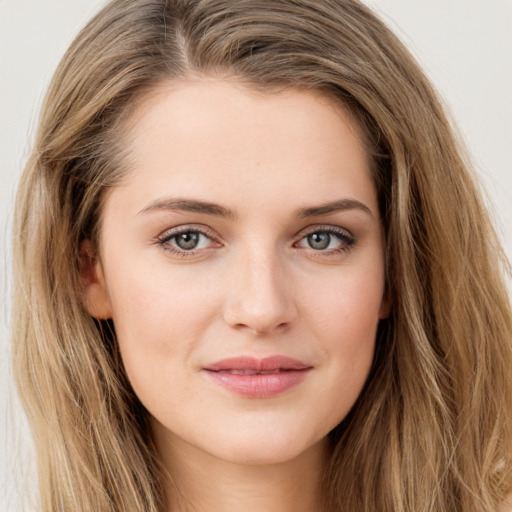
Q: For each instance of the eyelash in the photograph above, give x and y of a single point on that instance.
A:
(165, 239)
(347, 240)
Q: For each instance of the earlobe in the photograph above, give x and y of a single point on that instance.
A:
(96, 298)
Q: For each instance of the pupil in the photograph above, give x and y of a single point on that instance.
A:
(187, 240)
(319, 241)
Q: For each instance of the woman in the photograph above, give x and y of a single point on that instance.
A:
(253, 272)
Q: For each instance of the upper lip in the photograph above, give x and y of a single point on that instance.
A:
(272, 363)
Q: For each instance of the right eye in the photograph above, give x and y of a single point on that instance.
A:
(186, 241)
(189, 240)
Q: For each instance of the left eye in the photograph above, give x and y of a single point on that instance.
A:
(188, 240)
(325, 240)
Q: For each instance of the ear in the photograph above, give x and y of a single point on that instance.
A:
(96, 298)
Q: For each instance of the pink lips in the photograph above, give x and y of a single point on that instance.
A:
(258, 378)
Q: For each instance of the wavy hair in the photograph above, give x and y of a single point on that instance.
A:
(432, 430)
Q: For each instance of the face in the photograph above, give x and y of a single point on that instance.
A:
(241, 261)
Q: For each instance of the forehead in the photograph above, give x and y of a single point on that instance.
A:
(202, 102)
(216, 136)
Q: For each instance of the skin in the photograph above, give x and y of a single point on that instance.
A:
(254, 286)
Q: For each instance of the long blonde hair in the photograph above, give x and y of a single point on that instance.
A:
(432, 430)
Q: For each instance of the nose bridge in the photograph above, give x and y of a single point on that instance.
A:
(260, 299)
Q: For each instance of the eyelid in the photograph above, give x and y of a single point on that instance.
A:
(328, 228)
(183, 228)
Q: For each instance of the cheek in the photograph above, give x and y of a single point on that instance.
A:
(148, 299)
(346, 316)
(347, 307)
(158, 319)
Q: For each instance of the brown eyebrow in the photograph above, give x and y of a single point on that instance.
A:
(189, 205)
(333, 207)
(208, 208)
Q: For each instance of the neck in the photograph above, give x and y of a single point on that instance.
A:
(200, 482)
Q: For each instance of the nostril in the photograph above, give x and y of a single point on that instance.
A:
(261, 303)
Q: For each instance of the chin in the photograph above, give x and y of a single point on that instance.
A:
(265, 450)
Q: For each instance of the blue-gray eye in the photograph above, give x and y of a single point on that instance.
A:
(185, 240)
(319, 240)
(188, 240)
(329, 239)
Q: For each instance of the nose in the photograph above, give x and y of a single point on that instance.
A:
(260, 298)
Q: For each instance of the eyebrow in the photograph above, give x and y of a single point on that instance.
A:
(188, 205)
(333, 207)
(208, 208)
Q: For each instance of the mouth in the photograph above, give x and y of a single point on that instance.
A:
(254, 372)
(258, 378)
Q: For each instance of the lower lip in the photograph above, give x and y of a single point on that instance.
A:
(259, 385)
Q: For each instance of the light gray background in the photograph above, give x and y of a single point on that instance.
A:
(464, 45)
